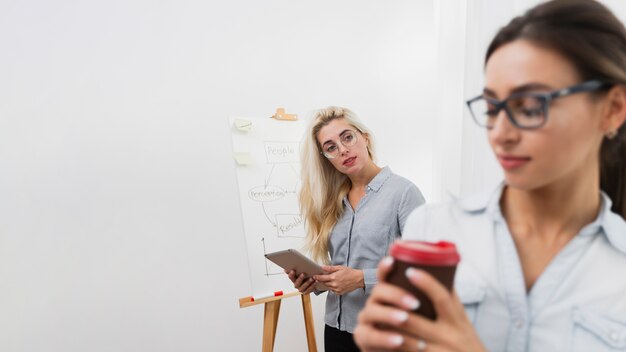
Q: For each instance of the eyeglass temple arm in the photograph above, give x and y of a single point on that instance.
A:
(583, 87)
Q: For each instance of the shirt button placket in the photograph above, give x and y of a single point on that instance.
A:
(518, 334)
(614, 336)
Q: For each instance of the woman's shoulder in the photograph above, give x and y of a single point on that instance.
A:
(455, 216)
(480, 203)
(392, 183)
(398, 182)
(395, 178)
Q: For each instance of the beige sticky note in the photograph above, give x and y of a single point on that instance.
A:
(243, 125)
(242, 158)
(282, 115)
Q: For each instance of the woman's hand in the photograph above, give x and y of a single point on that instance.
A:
(341, 279)
(386, 323)
(301, 283)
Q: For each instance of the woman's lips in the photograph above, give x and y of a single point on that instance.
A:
(349, 161)
(510, 162)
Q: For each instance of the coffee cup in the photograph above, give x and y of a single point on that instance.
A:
(439, 259)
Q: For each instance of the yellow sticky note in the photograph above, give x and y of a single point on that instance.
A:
(243, 125)
(242, 158)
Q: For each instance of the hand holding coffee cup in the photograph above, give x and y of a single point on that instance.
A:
(439, 259)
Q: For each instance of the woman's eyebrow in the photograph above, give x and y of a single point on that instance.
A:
(529, 87)
(340, 134)
(344, 131)
(328, 141)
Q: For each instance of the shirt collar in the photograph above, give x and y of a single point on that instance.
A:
(378, 180)
(611, 224)
(481, 202)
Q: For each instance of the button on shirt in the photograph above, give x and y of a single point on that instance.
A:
(362, 236)
(577, 304)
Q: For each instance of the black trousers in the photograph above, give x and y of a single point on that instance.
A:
(336, 340)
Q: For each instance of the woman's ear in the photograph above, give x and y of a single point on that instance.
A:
(615, 114)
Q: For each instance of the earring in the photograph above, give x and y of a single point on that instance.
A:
(611, 134)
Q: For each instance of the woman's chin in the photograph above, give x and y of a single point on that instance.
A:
(351, 169)
(521, 183)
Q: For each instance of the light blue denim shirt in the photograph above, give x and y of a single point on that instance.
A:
(577, 304)
(361, 238)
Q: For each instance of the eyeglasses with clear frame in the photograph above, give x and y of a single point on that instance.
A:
(347, 138)
(524, 110)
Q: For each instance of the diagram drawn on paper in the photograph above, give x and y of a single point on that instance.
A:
(268, 192)
(280, 184)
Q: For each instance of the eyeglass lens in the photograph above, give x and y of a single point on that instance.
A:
(347, 139)
(525, 111)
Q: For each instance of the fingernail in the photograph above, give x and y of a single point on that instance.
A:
(410, 302)
(396, 340)
(400, 316)
(412, 274)
(387, 261)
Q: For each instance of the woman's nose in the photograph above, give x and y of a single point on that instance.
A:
(503, 130)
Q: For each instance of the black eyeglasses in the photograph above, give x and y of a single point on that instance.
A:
(524, 110)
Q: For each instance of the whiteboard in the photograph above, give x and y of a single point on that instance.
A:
(267, 161)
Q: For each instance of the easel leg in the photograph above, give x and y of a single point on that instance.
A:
(308, 322)
(269, 325)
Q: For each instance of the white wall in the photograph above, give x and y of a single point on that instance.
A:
(120, 226)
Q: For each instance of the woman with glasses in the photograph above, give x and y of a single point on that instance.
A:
(543, 256)
(353, 210)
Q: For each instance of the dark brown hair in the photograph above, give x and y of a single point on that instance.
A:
(594, 40)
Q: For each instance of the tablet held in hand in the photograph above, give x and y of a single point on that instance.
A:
(291, 259)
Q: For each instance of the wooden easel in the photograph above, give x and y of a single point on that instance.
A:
(270, 320)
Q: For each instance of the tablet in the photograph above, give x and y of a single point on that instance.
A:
(291, 259)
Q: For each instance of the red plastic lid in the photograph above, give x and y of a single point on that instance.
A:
(425, 253)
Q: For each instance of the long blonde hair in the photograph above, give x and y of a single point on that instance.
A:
(323, 186)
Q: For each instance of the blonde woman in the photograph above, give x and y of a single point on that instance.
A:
(354, 210)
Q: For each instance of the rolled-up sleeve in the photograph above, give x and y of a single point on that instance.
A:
(370, 279)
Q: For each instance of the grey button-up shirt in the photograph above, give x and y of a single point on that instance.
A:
(362, 236)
